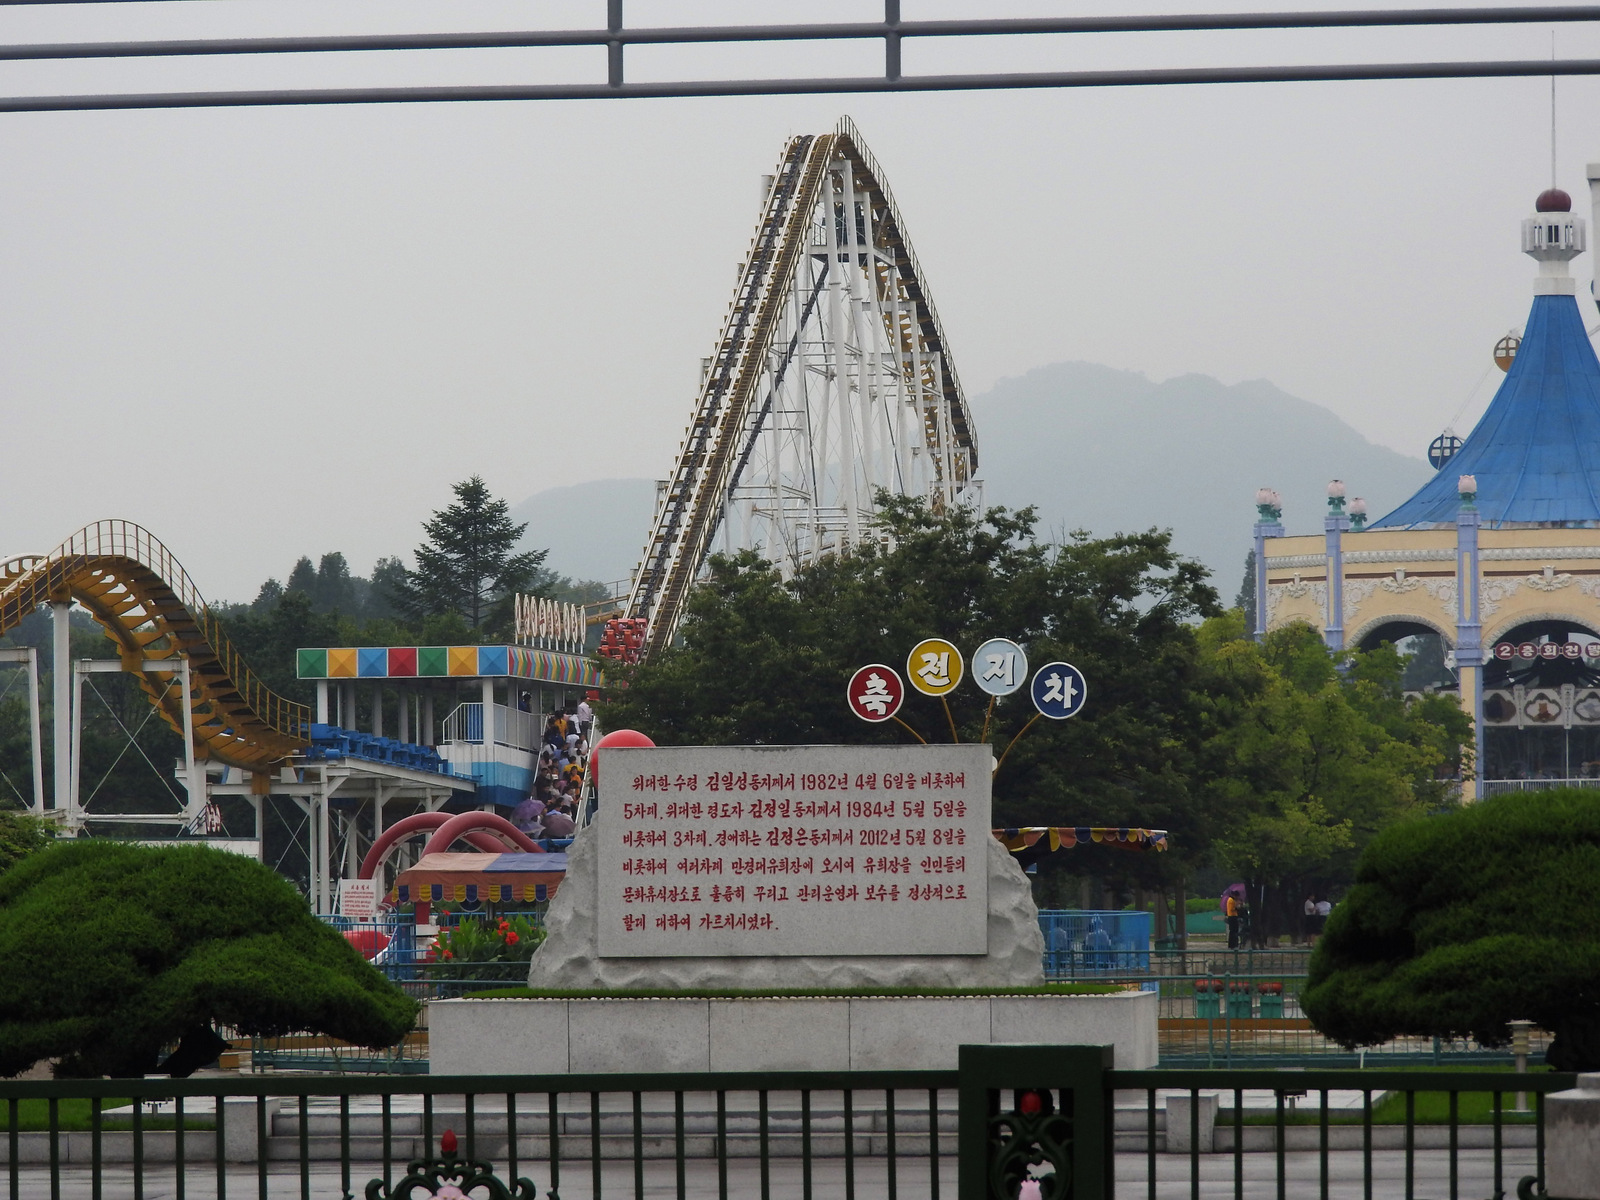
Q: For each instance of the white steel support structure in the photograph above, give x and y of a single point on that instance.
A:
(832, 382)
(74, 812)
(27, 658)
(61, 700)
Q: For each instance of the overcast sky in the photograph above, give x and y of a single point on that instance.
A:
(270, 332)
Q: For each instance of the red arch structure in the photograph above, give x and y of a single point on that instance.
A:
(492, 826)
(489, 838)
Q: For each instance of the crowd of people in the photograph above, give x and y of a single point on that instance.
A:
(552, 809)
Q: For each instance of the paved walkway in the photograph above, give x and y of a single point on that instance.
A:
(1475, 1170)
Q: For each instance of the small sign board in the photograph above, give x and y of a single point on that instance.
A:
(778, 851)
(934, 666)
(1059, 690)
(875, 692)
(358, 899)
(999, 666)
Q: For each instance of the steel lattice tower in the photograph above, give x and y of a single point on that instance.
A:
(832, 380)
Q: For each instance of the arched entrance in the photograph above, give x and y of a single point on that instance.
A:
(1541, 706)
(1426, 649)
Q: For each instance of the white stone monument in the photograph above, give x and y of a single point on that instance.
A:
(754, 867)
(793, 869)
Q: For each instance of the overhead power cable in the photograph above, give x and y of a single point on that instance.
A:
(791, 87)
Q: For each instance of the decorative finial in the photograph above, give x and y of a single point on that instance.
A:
(1358, 514)
(1467, 486)
(1269, 505)
(1553, 237)
(1336, 496)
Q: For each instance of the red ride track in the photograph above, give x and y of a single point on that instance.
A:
(488, 833)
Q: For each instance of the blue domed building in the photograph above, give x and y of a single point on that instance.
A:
(1496, 559)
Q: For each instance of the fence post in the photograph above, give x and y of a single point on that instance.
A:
(1032, 1105)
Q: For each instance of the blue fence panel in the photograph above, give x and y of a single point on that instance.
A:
(1089, 941)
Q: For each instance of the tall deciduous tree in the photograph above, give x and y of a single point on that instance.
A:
(763, 659)
(1307, 755)
(467, 565)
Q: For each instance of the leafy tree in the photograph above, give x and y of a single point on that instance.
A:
(388, 580)
(466, 565)
(335, 588)
(1463, 922)
(269, 595)
(268, 642)
(764, 659)
(119, 950)
(303, 579)
(21, 835)
(1306, 756)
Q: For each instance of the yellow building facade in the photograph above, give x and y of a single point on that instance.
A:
(1496, 559)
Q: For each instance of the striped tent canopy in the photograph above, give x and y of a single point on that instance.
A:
(1042, 839)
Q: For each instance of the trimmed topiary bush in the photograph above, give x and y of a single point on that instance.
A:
(113, 951)
(1462, 922)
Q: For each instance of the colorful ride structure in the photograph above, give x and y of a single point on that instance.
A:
(168, 639)
(832, 381)
(243, 740)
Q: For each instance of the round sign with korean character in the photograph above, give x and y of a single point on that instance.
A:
(876, 692)
(1059, 691)
(934, 666)
(999, 666)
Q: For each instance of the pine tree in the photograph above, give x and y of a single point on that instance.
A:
(335, 590)
(303, 578)
(466, 565)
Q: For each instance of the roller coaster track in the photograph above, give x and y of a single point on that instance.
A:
(804, 221)
(141, 595)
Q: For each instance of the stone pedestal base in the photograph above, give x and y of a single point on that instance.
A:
(844, 1033)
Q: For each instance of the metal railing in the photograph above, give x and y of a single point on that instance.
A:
(1006, 1114)
(1494, 787)
(1236, 1008)
(510, 727)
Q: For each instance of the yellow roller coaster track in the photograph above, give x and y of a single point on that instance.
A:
(140, 593)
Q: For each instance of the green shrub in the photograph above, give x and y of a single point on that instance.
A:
(1460, 923)
(21, 834)
(476, 949)
(113, 951)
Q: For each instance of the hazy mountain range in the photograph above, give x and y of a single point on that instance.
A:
(1091, 448)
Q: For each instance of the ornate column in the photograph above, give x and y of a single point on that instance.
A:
(1269, 524)
(1334, 524)
(1469, 628)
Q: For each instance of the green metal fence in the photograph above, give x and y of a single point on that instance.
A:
(1058, 1115)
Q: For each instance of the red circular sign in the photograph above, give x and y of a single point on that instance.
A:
(875, 692)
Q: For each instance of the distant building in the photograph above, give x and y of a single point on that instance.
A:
(1496, 560)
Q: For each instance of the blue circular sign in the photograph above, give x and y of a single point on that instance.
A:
(1059, 690)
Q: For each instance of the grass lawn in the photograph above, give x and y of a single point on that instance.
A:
(73, 1115)
(1432, 1108)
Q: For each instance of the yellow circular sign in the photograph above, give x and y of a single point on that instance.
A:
(934, 667)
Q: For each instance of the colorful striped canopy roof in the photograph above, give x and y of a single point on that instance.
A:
(1065, 837)
(464, 877)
